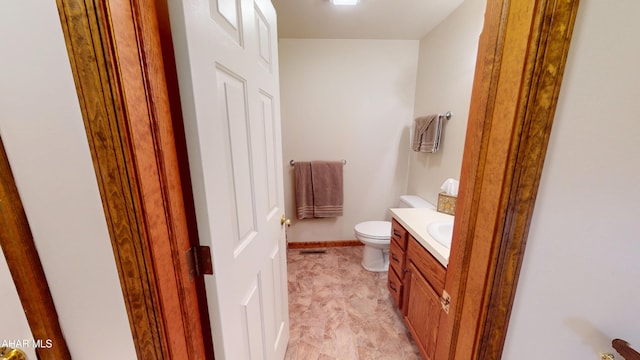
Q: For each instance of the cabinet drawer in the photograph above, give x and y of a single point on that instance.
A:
(399, 234)
(430, 268)
(396, 259)
(394, 284)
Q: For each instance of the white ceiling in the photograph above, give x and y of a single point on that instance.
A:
(370, 19)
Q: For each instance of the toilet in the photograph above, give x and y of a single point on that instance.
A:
(376, 236)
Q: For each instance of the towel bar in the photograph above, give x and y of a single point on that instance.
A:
(447, 115)
(293, 163)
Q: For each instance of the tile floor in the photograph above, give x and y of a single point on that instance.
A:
(338, 310)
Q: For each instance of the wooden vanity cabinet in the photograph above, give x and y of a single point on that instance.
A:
(395, 276)
(423, 284)
(415, 281)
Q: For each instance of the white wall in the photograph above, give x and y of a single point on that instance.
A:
(352, 100)
(578, 287)
(445, 78)
(43, 133)
(14, 325)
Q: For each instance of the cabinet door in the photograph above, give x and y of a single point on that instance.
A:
(422, 311)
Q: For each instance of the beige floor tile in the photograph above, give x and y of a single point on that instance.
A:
(340, 311)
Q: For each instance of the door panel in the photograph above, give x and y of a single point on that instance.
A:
(234, 113)
(253, 320)
(270, 154)
(263, 33)
(227, 69)
(228, 15)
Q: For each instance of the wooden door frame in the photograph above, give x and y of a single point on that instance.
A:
(521, 57)
(27, 273)
(116, 53)
(125, 82)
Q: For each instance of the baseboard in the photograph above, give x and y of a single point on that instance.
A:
(323, 244)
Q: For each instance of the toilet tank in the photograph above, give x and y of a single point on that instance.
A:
(414, 201)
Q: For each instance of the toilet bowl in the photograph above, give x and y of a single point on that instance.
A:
(376, 237)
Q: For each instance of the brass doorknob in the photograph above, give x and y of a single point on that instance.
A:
(7, 353)
(285, 221)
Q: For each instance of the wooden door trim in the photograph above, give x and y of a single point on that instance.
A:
(116, 58)
(26, 269)
(521, 58)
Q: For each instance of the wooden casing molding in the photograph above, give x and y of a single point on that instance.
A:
(116, 57)
(623, 348)
(521, 58)
(26, 269)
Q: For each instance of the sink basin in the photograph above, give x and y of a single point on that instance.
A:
(442, 232)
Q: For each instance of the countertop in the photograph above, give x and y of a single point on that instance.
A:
(416, 222)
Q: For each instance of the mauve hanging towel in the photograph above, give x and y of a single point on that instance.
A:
(304, 189)
(327, 188)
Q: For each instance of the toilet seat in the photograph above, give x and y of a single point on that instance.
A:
(374, 230)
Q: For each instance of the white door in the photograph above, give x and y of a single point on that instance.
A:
(226, 54)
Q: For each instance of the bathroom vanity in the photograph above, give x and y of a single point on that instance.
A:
(417, 269)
